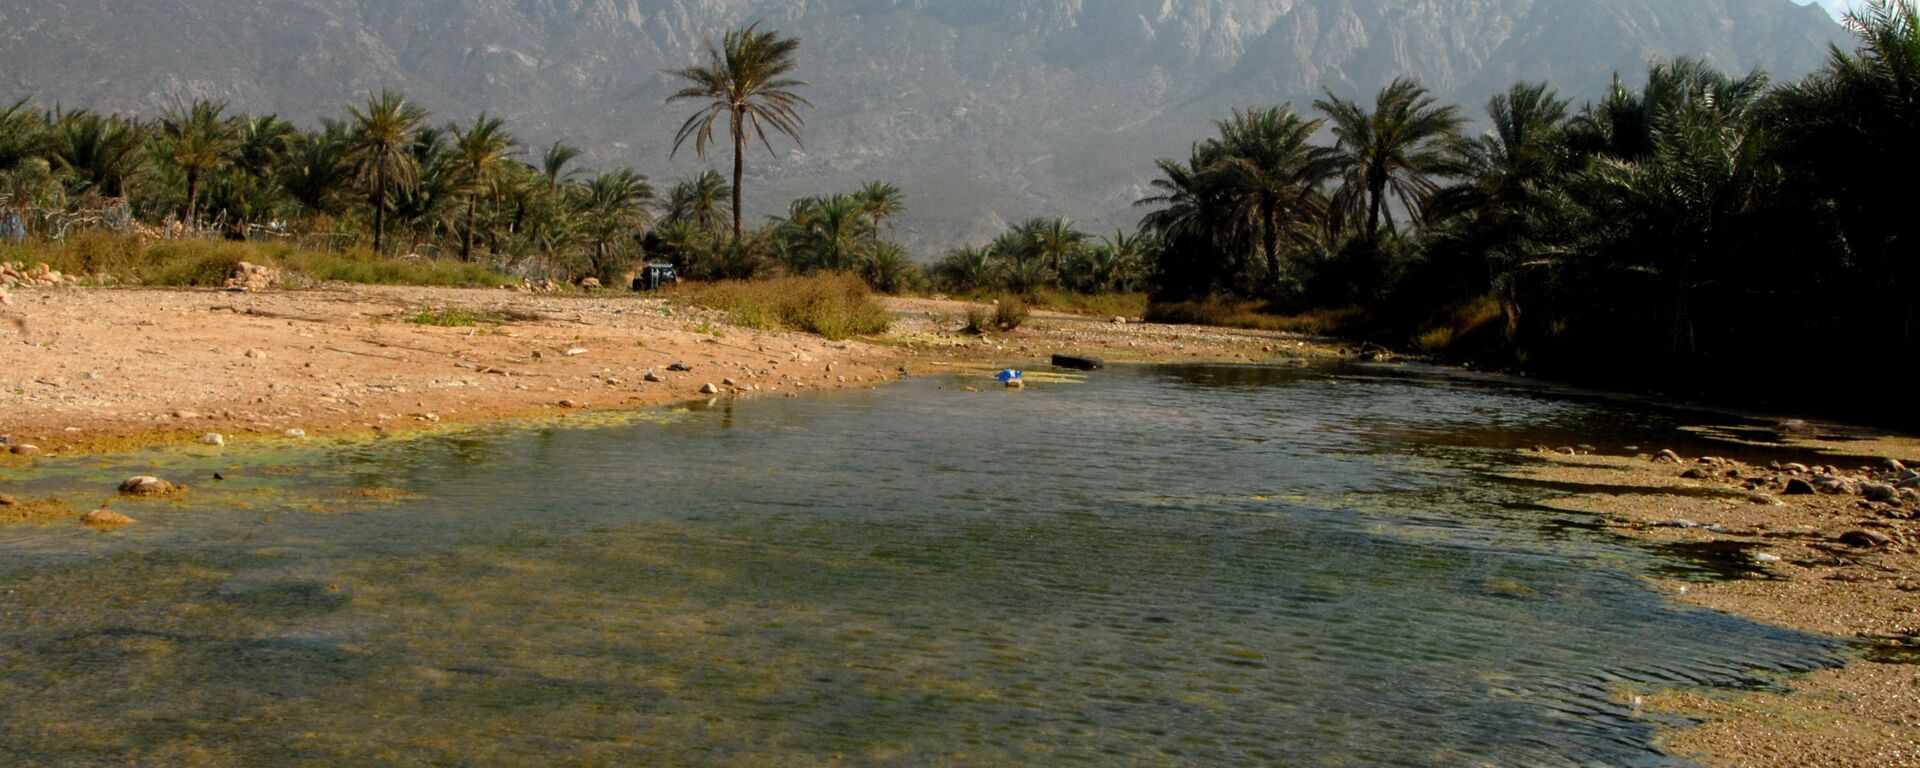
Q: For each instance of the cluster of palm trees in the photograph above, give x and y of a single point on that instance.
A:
(1704, 220)
(1046, 253)
(384, 171)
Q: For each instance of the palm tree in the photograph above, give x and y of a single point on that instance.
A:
(1397, 149)
(700, 201)
(383, 134)
(826, 233)
(22, 134)
(479, 154)
(881, 200)
(746, 82)
(965, 269)
(199, 141)
(1055, 241)
(318, 168)
(614, 208)
(554, 162)
(99, 153)
(1268, 173)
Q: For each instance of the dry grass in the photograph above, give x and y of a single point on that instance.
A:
(1010, 313)
(835, 306)
(1462, 322)
(207, 263)
(1242, 313)
(1128, 305)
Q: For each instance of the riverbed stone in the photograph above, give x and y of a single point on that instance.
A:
(1666, 457)
(1866, 539)
(1879, 492)
(710, 389)
(213, 438)
(105, 518)
(654, 378)
(147, 485)
(25, 450)
(1799, 487)
(8, 501)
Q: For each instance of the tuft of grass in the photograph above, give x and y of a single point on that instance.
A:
(1241, 313)
(836, 306)
(451, 317)
(207, 263)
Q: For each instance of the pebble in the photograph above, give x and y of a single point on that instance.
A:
(1879, 492)
(8, 501)
(710, 389)
(1799, 487)
(213, 438)
(1762, 557)
(24, 450)
(1667, 457)
(296, 432)
(654, 377)
(256, 354)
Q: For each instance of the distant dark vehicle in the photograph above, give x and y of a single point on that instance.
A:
(653, 277)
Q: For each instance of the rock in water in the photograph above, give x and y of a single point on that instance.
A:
(105, 518)
(147, 485)
(213, 438)
(1078, 362)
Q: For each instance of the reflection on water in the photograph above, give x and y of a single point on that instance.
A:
(1194, 566)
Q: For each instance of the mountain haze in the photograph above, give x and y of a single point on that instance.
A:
(982, 110)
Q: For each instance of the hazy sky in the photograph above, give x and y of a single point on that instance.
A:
(1837, 7)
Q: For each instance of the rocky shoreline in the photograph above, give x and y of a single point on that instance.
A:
(1829, 548)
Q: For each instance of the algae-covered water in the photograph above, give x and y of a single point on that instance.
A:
(1159, 566)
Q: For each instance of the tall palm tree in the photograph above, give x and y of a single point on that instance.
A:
(1395, 150)
(554, 162)
(1268, 173)
(198, 140)
(383, 133)
(746, 82)
(480, 152)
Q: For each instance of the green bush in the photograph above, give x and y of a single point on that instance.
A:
(1010, 313)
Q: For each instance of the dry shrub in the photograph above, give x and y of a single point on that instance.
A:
(1011, 312)
(836, 306)
(1245, 313)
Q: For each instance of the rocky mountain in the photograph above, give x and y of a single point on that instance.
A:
(982, 110)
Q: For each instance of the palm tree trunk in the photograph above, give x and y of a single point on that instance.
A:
(466, 246)
(379, 209)
(1374, 194)
(193, 197)
(739, 166)
(1272, 233)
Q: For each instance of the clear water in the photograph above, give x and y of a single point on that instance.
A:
(1161, 566)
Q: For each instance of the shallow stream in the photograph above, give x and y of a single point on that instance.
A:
(1158, 566)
